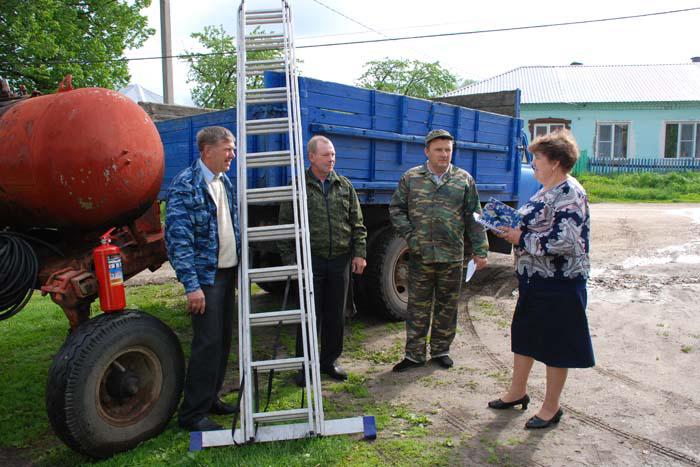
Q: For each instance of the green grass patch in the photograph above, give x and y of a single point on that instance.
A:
(670, 187)
(356, 385)
(29, 341)
(355, 347)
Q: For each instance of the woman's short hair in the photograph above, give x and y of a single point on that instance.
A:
(211, 135)
(557, 146)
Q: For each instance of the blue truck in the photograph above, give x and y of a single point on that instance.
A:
(377, 137)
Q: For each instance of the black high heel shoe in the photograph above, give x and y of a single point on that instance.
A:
(498, 404)
(536, 422)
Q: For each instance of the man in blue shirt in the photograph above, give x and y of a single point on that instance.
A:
(203, 241)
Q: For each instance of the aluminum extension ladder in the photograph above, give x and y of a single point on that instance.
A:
(266, 426)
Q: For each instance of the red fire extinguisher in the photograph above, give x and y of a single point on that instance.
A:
(108, 268)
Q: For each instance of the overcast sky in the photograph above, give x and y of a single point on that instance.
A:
(673, 38)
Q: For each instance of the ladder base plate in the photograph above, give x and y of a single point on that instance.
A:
(343, 426)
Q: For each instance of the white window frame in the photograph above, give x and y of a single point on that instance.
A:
(612, 136)
(696, 138)
(548, 126)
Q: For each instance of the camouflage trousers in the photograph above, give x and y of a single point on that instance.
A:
(432, 288)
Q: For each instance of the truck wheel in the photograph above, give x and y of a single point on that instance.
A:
(116, 381)
(387, 279)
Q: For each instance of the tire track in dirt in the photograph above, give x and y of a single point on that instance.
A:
(672, 396)
(457, 421)
(581, 416)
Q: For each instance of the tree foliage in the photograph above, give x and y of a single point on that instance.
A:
(214, 71)
(43, 40)
(408, 77)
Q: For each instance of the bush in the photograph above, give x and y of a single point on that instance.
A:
(653, 187)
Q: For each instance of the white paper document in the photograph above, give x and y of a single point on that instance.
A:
(471, 269)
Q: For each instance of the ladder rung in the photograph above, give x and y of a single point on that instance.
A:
(253, 18)
(272, 318)
(272, 129)
(263, 91)
(266, 96)
(260, 14)
(267, 125)
(267, 159)
(256, 71)
(282, 364)
(264, 12)
(281, 415)
(267, 100)
(263, 40)
(262, 37)
(273, 274)
(256, 67)
(273, 99)
(271, 20)
(269, 195)
(272, 45)
(253, 63)
(270, 233)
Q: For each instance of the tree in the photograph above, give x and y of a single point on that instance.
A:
(466, 82)
(214, 71)
(407, 77)
(41, 41)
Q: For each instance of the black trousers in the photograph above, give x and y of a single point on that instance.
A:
(331, 278)
(211, 346)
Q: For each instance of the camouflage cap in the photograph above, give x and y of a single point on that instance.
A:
(434, 134)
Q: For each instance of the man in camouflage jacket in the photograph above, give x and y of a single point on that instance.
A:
(432, 208)
(338, 244)
(203, 242)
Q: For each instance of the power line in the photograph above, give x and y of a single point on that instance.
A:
(349, 18)
(515, 28)
(402, 38)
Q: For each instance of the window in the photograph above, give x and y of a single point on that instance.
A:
(542, 126)
(611, 140)
(682, 140)
(542, 129)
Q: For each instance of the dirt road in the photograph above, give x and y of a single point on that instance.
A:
(640, 405)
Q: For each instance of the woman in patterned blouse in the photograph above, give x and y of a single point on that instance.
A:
(552, 265)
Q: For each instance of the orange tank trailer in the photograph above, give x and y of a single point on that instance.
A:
(79, 159)
(73, 165)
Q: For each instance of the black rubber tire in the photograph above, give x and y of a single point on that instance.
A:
(386, 284)
(81, 371)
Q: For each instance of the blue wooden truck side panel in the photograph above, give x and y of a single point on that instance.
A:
(377, 137)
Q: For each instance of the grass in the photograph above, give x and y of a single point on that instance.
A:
(29, 341)
(354, 344)
(670, 187)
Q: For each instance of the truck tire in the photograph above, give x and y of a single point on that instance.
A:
(116, 381)
(386, 285)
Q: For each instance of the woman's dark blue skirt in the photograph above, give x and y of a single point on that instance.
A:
(550, 324)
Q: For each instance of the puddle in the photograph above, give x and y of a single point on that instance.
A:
(683, 254)
(688, 259)
(636, 261)
(692, 213)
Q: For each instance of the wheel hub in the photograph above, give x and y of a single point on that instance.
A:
(129, 387)
(401, 275)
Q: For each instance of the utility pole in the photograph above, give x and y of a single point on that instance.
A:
(166, 52)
